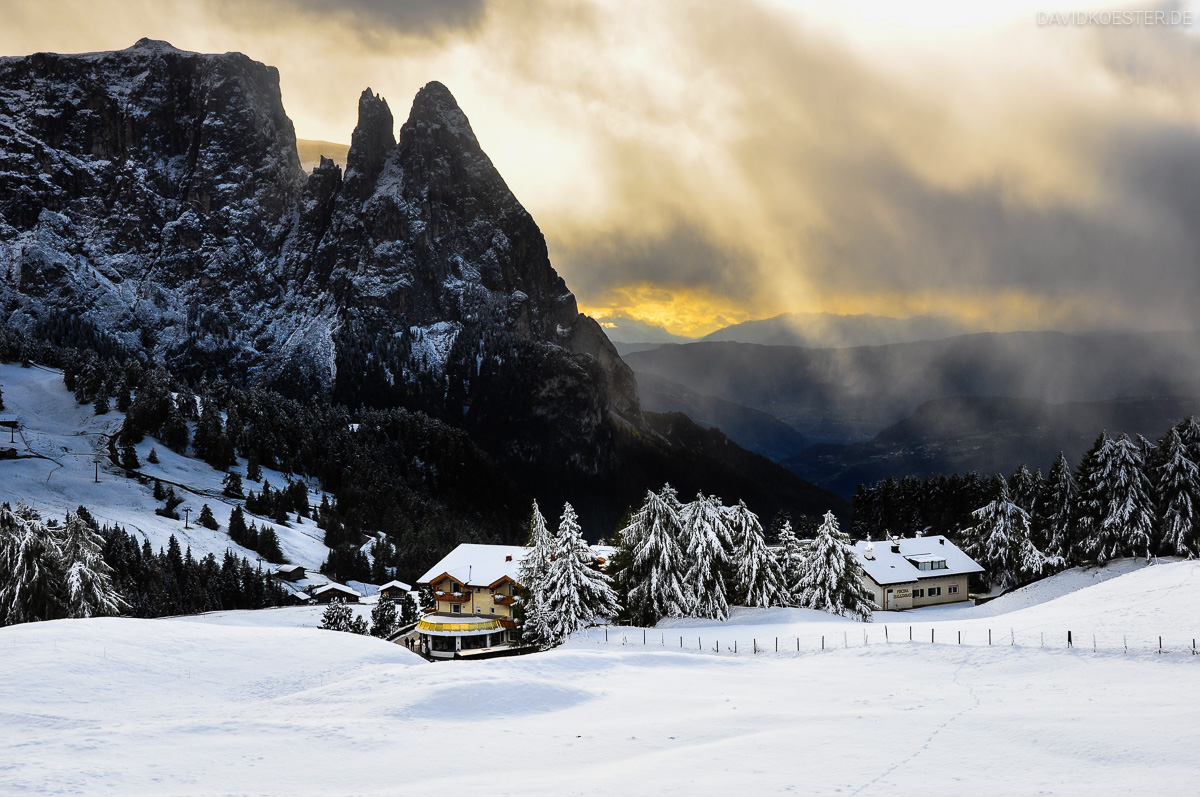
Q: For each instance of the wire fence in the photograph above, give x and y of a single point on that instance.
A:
(885, 634)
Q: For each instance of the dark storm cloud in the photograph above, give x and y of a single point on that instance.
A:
(376, 21)
(682, 256)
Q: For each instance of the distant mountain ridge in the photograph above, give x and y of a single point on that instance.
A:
(987, 435)
(832, 330)
(851, 394)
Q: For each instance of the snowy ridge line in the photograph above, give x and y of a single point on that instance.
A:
(1061, 640)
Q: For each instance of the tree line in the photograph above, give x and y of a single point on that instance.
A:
(50, 571)
(682, 560)
(1125, 497)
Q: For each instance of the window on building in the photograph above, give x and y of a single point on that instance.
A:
(456, 608)
(952, 589)
(918, 593)
(935, 591)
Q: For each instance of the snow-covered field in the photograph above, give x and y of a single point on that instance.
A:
(207, 706)
(70, 441)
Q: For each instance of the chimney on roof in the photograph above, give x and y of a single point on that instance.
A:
(941, 540)
(508, 558)
(869, 550)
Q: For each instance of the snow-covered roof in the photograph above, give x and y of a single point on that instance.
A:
(889, 567)
(288, 568)
(321, 590)
(395, 583)
(478, 565)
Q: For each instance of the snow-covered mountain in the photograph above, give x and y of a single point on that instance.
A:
(153, 199)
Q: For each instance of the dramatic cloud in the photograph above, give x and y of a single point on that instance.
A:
(700, 163)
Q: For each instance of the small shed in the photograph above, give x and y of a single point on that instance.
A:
(290, 572)
(299, 598)
(327, 593)
(395, 589)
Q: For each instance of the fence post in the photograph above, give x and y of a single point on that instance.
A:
(885, 634)
(989, 637)
(1012, 636)
(822, 641)
(845, 639)
(1125, 641)
(605, 633)
(960, 637)
(1160, 644)
(1069, 645)
(755, 643)
(681, 643)
(910, 633)
(798, 644)
(643, 636)
(735, 646)
(776, 644)
(931, 632)
(1093, 643)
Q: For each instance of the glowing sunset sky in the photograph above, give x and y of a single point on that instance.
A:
(694, 164)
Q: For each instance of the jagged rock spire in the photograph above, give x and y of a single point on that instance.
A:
(371, 141)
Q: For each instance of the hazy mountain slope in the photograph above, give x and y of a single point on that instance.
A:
(831, 330)
(989, 435)
(847, 395)
(752, 429)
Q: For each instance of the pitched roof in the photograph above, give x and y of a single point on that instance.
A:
(394, 583)
(478, 565)
(899, 567)
(321, 590)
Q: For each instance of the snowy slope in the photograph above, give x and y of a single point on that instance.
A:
(61, 443)
(187, 707)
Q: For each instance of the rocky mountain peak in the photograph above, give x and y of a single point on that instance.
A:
(153, 198)
(371, 141)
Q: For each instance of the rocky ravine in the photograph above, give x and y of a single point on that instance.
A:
(153, 198)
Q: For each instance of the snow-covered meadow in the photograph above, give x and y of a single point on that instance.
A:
(63, 446)
(206, 705)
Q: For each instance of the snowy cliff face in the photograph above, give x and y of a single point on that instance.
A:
(155, 196)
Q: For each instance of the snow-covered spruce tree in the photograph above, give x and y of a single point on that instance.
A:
(708, 555)
(756, 573)
(654, 576)
(1092, 494)
(790, 558)
(1000, 541)
(384, 621)
(87, 579)
(31, 568)
(1023, 487)
(534, 617)
(1053, 521)
(1124, 521)
(1177, 489)
(337, 616)
(576, 593)
(831, 580)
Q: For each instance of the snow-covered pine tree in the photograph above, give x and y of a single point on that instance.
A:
(576, 592)
(1125, 521)
(1024, 488)
(654, 577)
(757, 576)
(337, 616)
(1092, 495)
(31, 569)
(1053, 520)
(87, 579)
(790, 557)
(384, 621)
(1000, 541)
(358, 626)
(708, 555)
(535, 619)
(1177, 490)
(832, 575)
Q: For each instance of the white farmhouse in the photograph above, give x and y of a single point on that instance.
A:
(910, 573)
